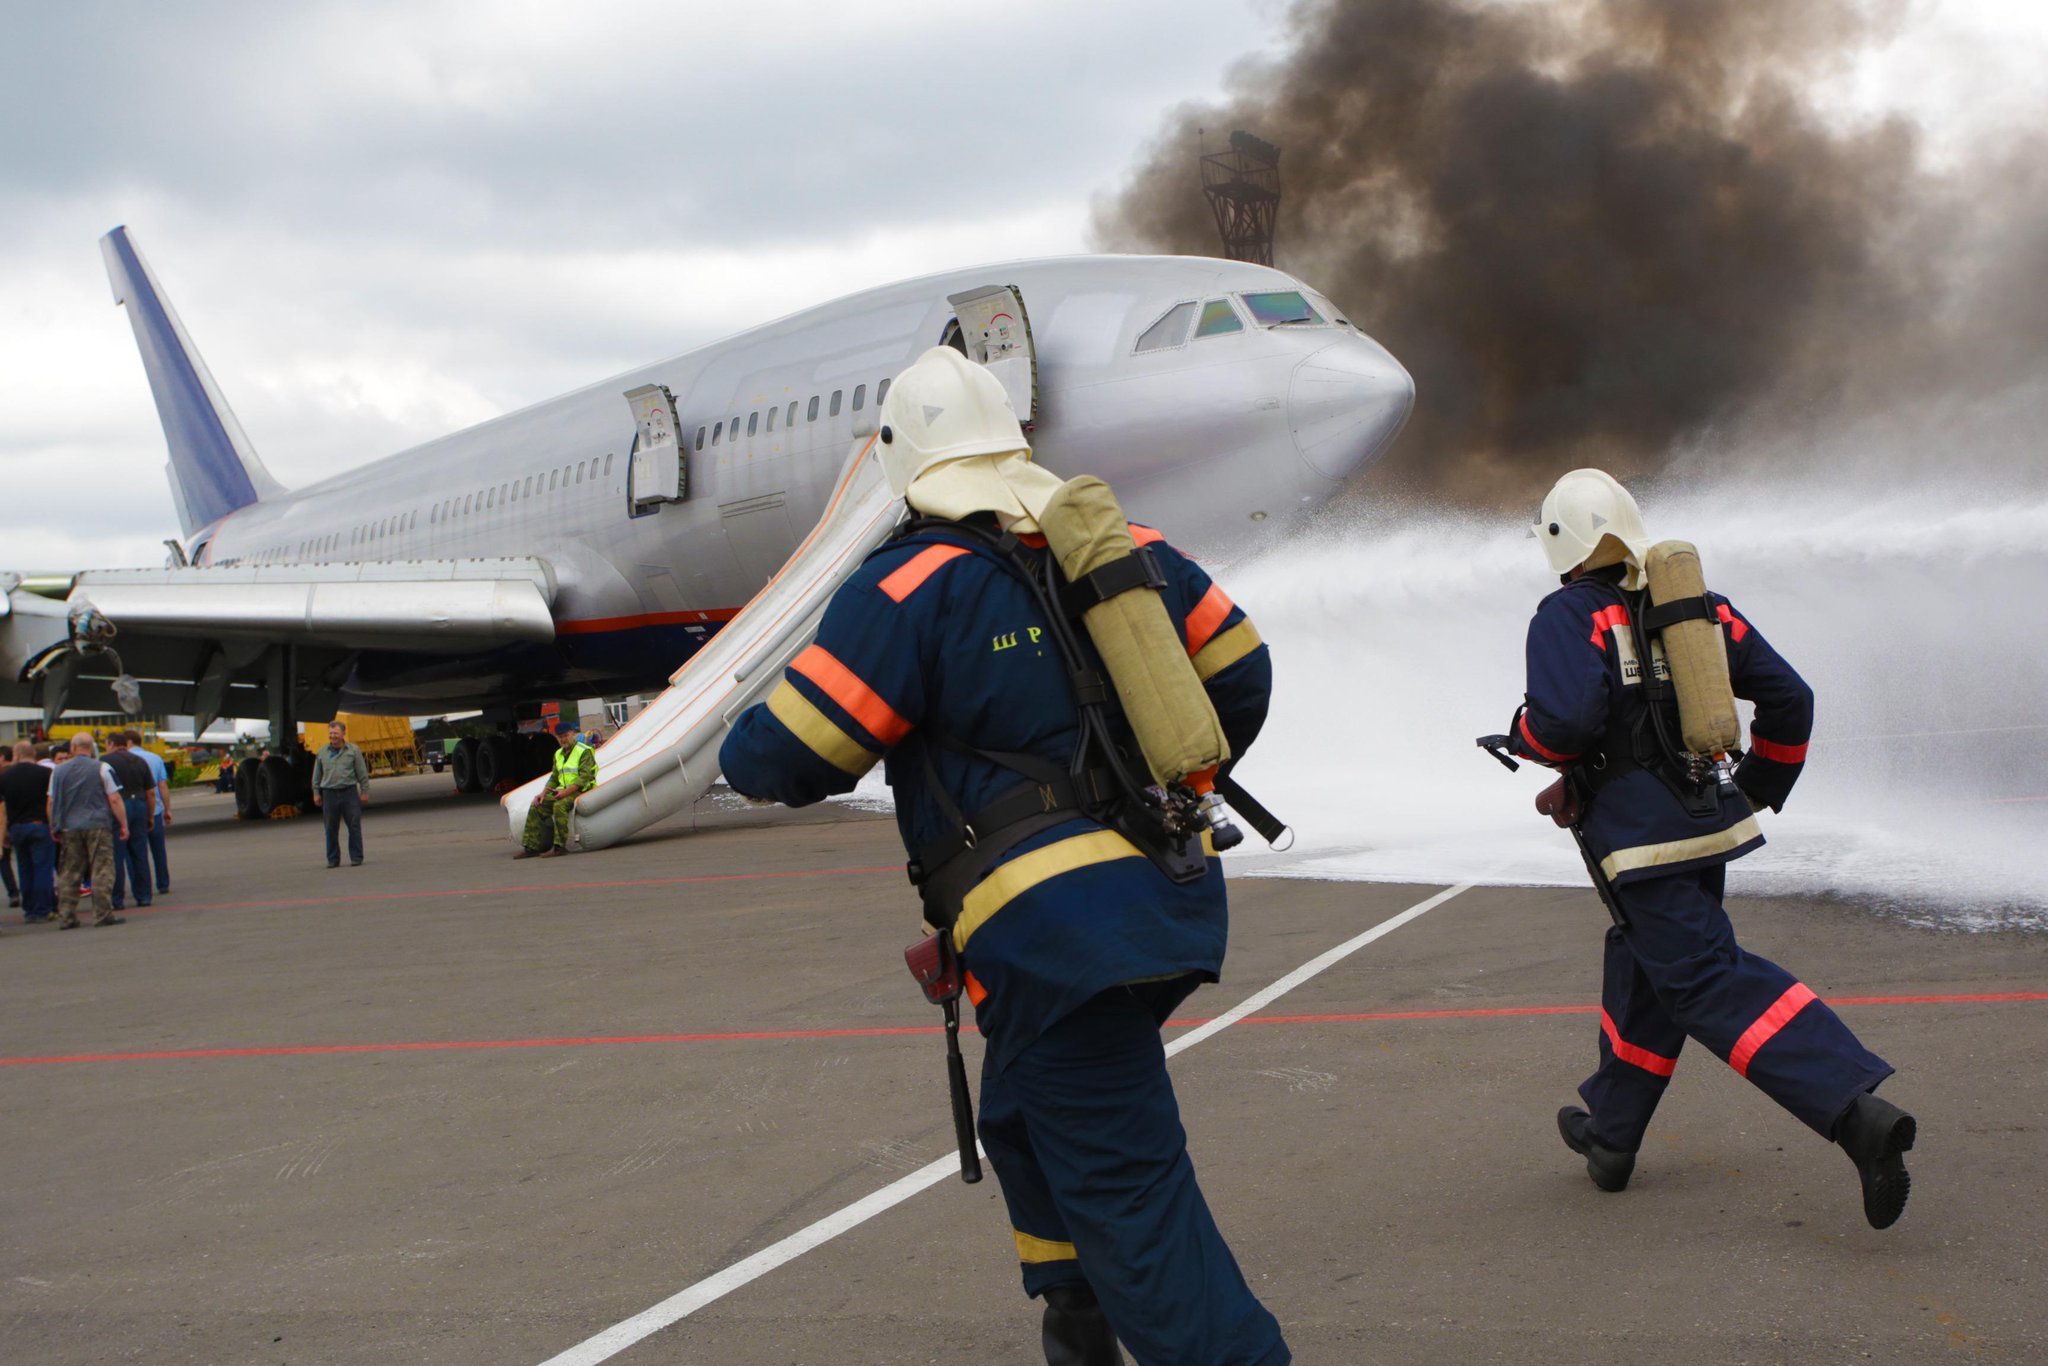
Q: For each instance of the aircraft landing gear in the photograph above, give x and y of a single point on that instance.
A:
(464, 763)
(277, 786)
(497, 761)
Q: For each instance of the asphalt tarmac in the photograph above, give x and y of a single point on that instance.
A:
(448, 1107)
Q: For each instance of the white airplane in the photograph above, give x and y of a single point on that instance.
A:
(591, 544)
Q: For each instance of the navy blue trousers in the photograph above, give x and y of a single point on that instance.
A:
(1084, 1133)
(1677, 973)
(131, 856)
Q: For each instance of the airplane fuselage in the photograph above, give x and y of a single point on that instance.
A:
(1222, 438)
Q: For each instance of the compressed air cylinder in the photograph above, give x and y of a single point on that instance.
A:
(1694, 652)
(1168, 709)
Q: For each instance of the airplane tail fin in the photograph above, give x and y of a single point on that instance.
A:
(213, 468)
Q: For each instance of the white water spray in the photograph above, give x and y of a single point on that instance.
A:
(1920, 622)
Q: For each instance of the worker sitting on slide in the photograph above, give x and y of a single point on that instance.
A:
(547, 821)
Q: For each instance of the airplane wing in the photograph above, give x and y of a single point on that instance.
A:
(192, 635)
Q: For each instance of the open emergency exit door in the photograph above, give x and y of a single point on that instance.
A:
(658, 471)
(996, 332)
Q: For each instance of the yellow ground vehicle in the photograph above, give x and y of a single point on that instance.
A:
(386, 741)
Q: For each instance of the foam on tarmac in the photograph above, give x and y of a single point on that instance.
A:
(678, 1072)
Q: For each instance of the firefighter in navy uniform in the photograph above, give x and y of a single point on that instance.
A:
(938, 656)
(1661, 837)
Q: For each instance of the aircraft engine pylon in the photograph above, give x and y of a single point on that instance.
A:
(666, 757)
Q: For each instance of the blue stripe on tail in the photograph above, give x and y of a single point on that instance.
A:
(212, 469)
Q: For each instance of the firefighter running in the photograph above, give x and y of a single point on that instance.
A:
(1659, 823)
(1080, 917)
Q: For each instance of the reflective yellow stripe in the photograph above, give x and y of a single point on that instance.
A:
(1681, 851)
(1226, 649)
(815, 729)
(1030, 1249)
(1021, 874)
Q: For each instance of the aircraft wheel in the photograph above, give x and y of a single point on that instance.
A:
(276, 785)
(497, 760)
(463, 761)
(245, 790)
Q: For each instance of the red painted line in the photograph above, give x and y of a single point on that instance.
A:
(494, 891)
(898, 1031)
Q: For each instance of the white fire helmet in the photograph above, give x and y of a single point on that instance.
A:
(952, 446)
(1588, 519)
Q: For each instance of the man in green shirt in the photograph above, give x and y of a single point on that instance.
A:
(547, 822)
(341, 788)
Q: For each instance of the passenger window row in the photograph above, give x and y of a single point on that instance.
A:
(516, 490)
(728, 430)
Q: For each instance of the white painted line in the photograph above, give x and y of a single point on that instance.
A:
(689, 1300)
(1259, 1000)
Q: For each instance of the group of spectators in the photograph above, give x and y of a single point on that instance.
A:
(74, 823)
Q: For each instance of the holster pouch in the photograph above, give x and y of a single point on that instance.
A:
(1560, 802)
(936, 967)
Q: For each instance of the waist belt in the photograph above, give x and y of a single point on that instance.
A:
(946, 868)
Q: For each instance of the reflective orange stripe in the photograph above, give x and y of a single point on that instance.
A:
(1207, 617)
(1737, 627)
(1655, 1063)
(1529, 738)
(976, 992)
(1797, 997)
(910, 576)
(860, 701)
(1606, 619)
(1775, 752)
(1145, 535)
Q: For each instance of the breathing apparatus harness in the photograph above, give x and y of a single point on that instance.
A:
(1096, 782)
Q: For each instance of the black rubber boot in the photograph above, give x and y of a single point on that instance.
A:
(1076, 1331)
(1876, 1134)
(1609, 1169)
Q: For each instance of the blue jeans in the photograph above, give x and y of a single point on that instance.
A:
(35, 866)
(156, 853)
(131, 856)
(339, 804)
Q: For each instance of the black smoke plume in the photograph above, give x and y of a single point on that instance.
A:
(1609, 231)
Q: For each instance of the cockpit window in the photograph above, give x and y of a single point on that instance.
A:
(1322, 305)
(1218, 317)
(1281, 306)
(1170, 331)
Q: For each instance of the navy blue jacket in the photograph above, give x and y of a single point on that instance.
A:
(934, 635)
(1585, 696)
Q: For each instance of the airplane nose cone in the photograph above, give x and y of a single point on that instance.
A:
(1347, 403)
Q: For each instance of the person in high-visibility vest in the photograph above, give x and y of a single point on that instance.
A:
(547, 822)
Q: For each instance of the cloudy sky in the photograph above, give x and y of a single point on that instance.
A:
(384, 221)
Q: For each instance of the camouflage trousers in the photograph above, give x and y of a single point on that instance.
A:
(547, 822)
(87, 856)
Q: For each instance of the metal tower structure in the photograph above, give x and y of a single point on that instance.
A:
(1243, 187)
